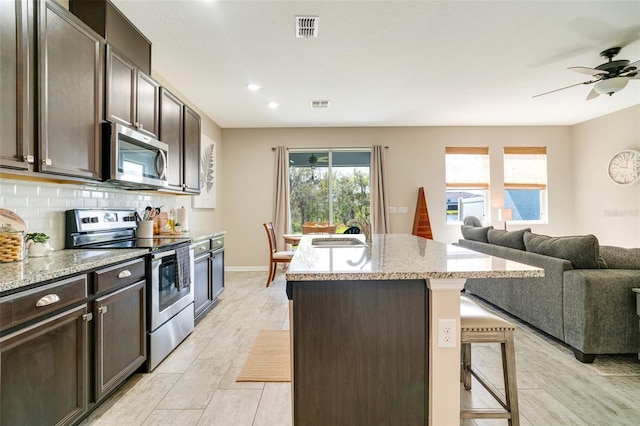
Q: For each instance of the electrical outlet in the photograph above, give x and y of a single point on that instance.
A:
(447, 337)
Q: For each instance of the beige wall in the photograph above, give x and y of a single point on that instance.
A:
(415, 158)
(603, 208)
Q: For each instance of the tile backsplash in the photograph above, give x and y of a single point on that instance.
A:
(42, 204)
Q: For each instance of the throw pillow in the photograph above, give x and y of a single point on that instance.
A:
(511, 239)
(582, 251)
(475, 233)
(471, 221)
(621, 258)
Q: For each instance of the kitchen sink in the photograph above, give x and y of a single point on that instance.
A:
(338, 242)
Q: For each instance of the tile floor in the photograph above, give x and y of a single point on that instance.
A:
(196, 384)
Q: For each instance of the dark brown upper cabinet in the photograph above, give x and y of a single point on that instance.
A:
(132, 97)
(105, 19)
(16, 126)
(70, 93)
(191, 155)
(180, 129)
(171, 133)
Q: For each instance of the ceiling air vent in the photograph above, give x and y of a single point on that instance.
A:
(319, 104)
(307, 26)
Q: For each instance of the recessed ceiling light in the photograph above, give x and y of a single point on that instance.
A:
(253, 87)
(273, 105)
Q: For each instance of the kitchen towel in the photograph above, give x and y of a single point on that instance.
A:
(183, 268)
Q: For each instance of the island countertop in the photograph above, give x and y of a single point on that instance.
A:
(398, 257)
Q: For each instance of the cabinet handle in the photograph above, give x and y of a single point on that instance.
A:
(49, 299)
(29, 158)
(87, 317)
(47, 161)
(124, 274)
(202, 248)
(140, 125)
(102, 310)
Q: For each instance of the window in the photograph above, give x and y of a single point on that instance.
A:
(467, 182)
(525, 182)
(329, 186)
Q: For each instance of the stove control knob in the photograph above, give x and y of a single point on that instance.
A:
(85, 220)
(94, 220)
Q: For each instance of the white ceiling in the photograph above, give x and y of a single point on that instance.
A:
(389, 63)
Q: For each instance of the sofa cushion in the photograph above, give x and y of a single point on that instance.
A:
(582, 251)
(621, 258)
(512, 239)
(475, 233)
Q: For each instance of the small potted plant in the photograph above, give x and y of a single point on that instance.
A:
(177, 227)
(37, 244)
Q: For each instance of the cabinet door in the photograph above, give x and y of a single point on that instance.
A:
(171, 134)
(191, 160)
(70, 70)
(202, 291)
(147, 105)
(120, 336)
(44, 371)
(217, 274)
(120, 89)
(15, 132)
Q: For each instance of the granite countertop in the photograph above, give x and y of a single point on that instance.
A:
(58, 264)
(61, 263)
(398, 257)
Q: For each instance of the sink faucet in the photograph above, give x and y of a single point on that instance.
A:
(364, 225)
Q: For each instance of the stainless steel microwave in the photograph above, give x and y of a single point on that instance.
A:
(133, 159)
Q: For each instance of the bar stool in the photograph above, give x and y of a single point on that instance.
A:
(477, 325)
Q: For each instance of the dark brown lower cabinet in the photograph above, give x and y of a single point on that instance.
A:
(120, 336)
(360, 352)
(208, 279)
(45, 371)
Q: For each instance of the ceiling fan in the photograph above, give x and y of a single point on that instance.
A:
(609, 78)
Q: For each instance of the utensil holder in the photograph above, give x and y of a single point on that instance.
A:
(145, 229)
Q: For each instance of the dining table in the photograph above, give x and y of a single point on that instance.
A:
(293, 239)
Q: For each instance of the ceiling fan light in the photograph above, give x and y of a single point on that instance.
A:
(610, 86)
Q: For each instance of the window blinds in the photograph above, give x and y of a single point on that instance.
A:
(525, 167)
(467, 167)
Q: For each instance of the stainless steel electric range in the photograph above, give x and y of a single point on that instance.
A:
(170, 264)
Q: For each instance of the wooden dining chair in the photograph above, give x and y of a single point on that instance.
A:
(275, 256)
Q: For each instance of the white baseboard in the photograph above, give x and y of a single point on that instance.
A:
(246, 268)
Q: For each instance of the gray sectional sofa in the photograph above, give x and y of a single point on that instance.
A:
(585, 298)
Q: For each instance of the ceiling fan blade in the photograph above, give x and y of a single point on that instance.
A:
(567, 87)
(631, 66)
(590, 71)
(593, 94)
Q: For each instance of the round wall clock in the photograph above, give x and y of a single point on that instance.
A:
(624, 167)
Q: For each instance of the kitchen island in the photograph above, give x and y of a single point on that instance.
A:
(364, 321)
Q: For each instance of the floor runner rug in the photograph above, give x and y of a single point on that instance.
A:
(269, 359)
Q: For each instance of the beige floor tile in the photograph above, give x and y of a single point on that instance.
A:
(197, 385)
(173, 418)
(232, 407)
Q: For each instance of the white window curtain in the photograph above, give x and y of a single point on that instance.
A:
(281, 211)
(379, 197)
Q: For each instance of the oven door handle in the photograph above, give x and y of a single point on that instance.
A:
(157, 256)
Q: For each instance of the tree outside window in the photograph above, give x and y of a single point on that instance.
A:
(329, 186)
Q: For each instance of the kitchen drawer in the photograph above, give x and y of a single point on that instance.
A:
(201, 247)
(217, 243)
(119, 275)
(34, 303)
